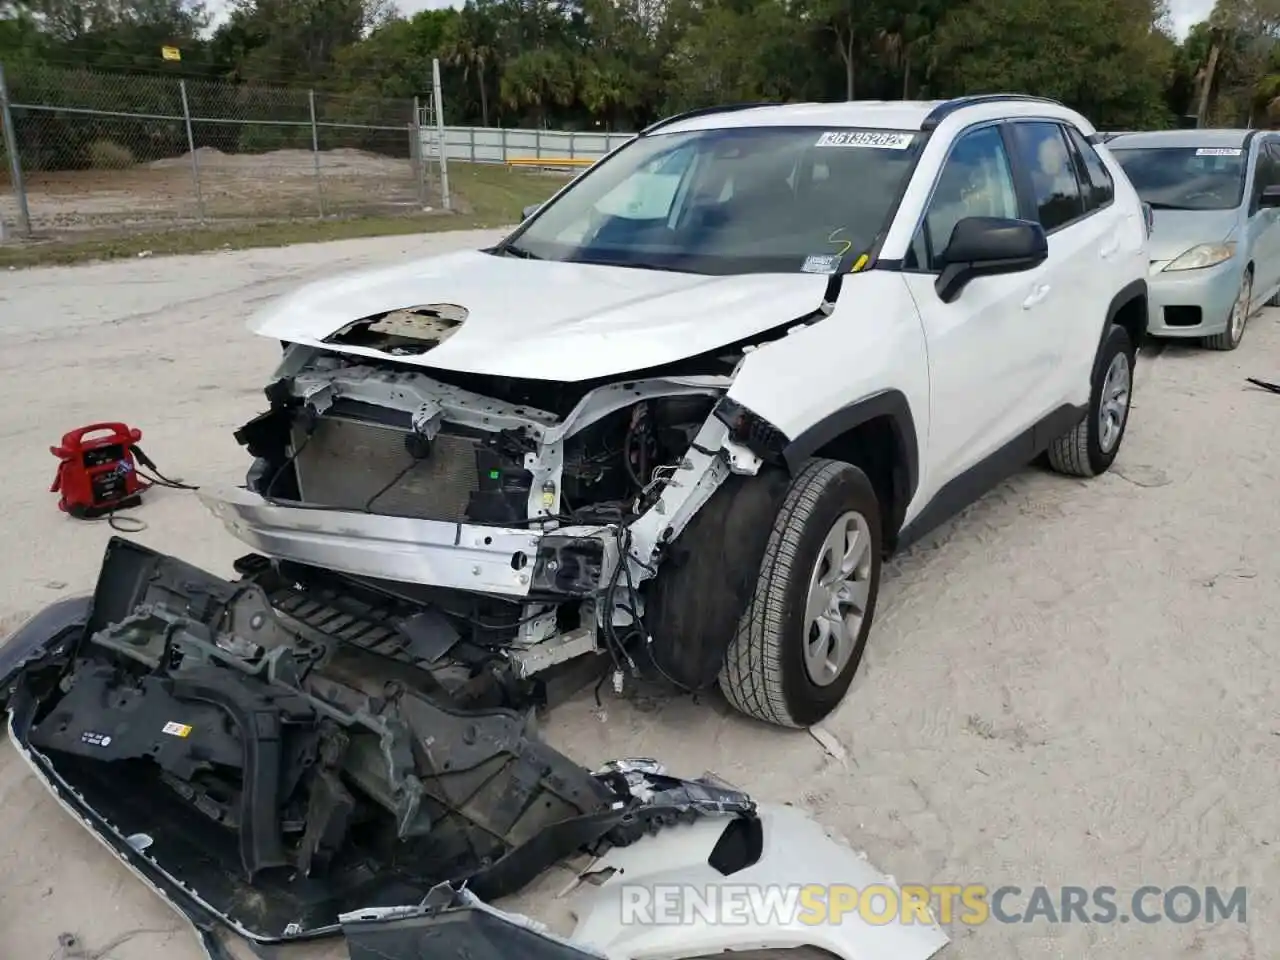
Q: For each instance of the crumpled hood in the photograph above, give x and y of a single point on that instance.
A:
(545, 320)
(1174, 232)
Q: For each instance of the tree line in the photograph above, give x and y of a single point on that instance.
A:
(620, 64)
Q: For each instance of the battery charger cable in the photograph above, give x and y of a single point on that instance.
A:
(148, 471)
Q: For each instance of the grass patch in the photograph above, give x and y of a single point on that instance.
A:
(484, 195)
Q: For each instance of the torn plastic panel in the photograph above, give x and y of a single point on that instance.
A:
(589, 920)
(283, 776)
(454, 923)
(713, 859)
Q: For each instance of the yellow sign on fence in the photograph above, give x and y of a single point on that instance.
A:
(171, 53)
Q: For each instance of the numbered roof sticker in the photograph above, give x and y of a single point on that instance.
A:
(876, 139)
(1219, 152)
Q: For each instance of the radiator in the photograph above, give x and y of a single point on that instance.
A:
(346, 462)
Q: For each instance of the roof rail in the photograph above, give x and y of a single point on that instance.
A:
(948, 107)
(704, 111)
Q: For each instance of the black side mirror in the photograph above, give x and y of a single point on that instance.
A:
(529, 211)
(987, 246)
(1270, 197)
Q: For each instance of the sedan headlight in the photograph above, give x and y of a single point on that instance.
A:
(1203, 255)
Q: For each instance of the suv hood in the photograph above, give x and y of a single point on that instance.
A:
(1174, 232)
(537, 319)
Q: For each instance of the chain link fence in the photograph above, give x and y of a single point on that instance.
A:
(85, 151)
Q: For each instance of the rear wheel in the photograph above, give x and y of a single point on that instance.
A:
(802, 636)
(1230, 338)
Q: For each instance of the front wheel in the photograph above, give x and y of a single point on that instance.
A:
(1090, 447)
(802, 636)
(1230, 338)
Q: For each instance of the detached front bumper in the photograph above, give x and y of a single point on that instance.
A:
(1192, 303)
(460, 556)
(714, 842)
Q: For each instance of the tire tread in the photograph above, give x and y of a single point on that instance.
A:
(751, 678)
(1069, 453)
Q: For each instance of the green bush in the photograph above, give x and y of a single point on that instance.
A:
(263, 138)
(108, 155)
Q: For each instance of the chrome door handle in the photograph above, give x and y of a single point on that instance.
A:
(1038, 294)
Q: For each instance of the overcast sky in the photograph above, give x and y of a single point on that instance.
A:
(1184, 12)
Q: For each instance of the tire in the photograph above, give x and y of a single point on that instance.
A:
(1230, 338)
(766, 672)
(1088, 448)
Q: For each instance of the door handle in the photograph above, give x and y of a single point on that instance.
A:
(1036, 295)
(1109, 249)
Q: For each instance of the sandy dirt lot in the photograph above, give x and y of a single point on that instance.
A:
(247, 186)
(1071, 684)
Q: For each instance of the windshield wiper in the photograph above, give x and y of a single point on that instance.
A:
(513, 251)
(1157, 205)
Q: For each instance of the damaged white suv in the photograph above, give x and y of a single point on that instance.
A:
(677, 418)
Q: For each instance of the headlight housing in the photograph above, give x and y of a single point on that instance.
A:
(751, 430)
(1203, 255)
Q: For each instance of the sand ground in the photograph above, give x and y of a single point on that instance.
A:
(1071, 684)
(233, 186)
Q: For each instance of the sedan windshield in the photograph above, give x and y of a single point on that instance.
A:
(1186, 178)
(728, 201)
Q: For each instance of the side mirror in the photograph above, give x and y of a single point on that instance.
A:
(987, 246)
(529, 211)
(1270, 197)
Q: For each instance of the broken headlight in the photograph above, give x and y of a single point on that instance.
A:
(751, 430)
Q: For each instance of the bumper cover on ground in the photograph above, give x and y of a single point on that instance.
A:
(690, 836)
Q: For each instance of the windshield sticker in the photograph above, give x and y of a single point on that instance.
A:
(821, 263)
(177, 729)
(1218, 152)
(865, 138)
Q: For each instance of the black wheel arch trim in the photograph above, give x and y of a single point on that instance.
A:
(887, 403)
(1128, 293)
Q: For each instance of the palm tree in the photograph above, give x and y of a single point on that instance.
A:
(468, 47)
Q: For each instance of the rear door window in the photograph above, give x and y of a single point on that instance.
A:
(1097, 186)
(1042, 150)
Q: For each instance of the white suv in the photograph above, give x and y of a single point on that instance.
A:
(680, 414)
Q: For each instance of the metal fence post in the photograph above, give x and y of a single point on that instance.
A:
(191, 147)
(15, 161)
(415, 151)
(570, 144)
(437, 98)
(315, 152)
(504, 144)
(472, 132)
(537, 142)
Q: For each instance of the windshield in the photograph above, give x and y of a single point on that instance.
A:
(746, 200)
(1186, 178)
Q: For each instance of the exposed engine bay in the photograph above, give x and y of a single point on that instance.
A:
(289, 767)
(342, 739)
(524, 518)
